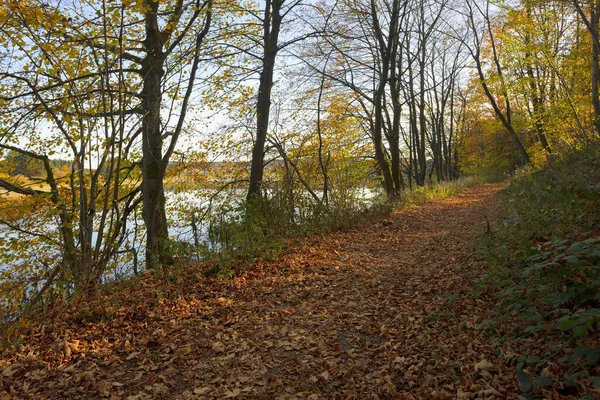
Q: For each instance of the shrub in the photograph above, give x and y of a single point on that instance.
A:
(545, 257)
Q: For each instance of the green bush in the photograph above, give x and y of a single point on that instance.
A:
(545, 255)
(249, 230)
(559, 284)
(560, 200)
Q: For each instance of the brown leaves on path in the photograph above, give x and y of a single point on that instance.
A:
(384, 311)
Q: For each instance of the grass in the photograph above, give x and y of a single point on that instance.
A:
(423, 194)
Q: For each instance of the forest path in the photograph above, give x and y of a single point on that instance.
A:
(384, 311)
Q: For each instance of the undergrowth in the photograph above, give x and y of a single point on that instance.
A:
(545, 258)
(264, 227)
(420, 195)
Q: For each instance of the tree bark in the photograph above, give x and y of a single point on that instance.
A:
(395, 60)
(595, 22)
(536, 99)
(153, 167)
(271, 28)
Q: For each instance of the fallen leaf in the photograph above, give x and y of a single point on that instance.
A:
(383, 331)
(8, 371)
(132, 355)
(184, 350)
(202, 390)
(218, 347)
(484, 365)
(232, 393)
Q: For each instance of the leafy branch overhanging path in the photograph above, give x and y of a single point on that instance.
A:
(384, 311)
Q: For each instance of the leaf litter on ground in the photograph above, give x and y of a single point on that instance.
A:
(384, 311)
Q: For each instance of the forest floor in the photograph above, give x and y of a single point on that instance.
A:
(385, 311)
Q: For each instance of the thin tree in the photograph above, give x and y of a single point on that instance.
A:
(478, 34)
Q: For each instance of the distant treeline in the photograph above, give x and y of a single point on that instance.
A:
(14, 163)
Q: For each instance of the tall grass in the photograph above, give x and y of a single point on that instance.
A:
(437, 191)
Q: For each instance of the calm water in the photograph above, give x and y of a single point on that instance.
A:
(182, 208)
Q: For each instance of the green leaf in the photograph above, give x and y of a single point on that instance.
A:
(567, 324)
(572, 260)
(533, 360)
(592, 356)
(563, 359)
(542, 381)
(581, 330)
(570, 383)
(525, 382)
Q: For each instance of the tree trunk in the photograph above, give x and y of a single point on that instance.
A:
(271, 27)
(153, 168)
(422, 122)
(511, 131)
(397, 115)
(595, 20)
(388, 184)
(592, 24)
(536, 98)
(476, 54)
(323, 165)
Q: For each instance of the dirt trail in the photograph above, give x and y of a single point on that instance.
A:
(385, 311)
